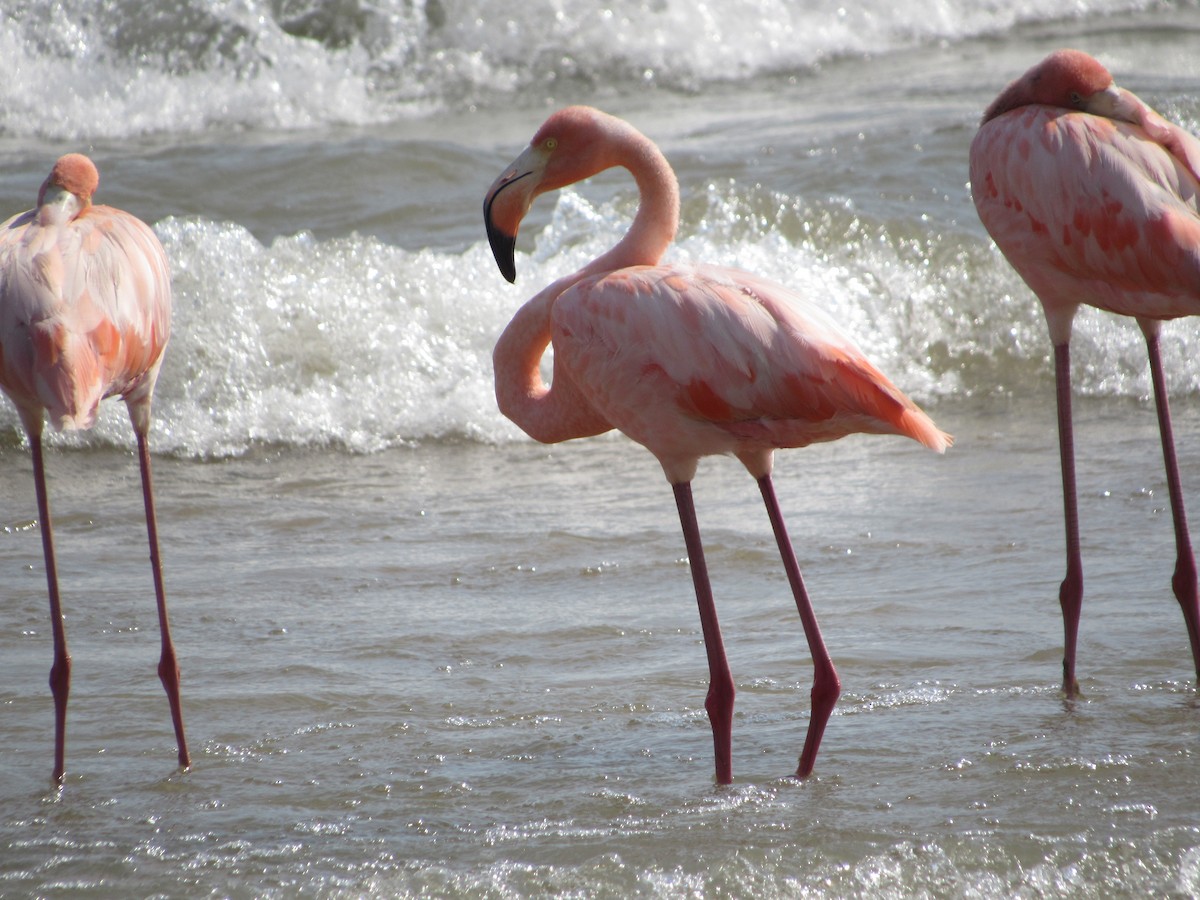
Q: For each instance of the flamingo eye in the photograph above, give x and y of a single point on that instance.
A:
(550, 143)
(1076, 98)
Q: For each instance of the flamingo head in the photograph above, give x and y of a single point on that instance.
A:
(570, 146)
(68, 189)
(1067, 79)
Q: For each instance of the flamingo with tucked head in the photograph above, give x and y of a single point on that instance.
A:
(1094, 198)
(85, 313)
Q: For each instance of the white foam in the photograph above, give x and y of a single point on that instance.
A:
(86, 69)
(355, 343)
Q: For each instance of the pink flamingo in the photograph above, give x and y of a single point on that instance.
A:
(85, 312)
(1093, 198)
(686, 360)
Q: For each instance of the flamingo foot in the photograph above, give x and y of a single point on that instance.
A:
(1183, 583)
(1070, 598)
(826, 690)
(60, 687)
(719, 704)
(168, 674)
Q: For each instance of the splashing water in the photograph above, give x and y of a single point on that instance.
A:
(99, 69)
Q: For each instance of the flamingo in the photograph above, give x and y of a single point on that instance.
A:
(687, 360)
(85, 312)
(1093, 197)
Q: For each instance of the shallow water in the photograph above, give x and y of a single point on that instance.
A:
(425, 656)
(399, 681)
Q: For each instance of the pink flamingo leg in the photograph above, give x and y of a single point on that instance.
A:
(60, 670)
(719, 701)
(826, 685)
(168, 665)
(1183, 582)
(1070, 593)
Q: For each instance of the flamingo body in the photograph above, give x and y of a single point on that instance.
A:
(689, 361)
(85, 313)
(694, 361)
(1094, 198)
(74, 327)
(1087, 207)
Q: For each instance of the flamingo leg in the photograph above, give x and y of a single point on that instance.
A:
(719, 702)
(60, 670)
(826, 685)
(168, 665)
(1070, 592)
(1183, 582)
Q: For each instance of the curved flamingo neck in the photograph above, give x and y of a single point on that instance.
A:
(560, 412)
(657, 217)
(546, 413)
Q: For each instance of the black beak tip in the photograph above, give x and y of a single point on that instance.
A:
(507, 263)
(504, 249)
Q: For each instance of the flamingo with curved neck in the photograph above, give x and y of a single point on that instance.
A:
(689, 361)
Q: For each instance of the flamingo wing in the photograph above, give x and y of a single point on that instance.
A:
(706, 360)
(1093, 210)
(84, 312)
(1178, 142)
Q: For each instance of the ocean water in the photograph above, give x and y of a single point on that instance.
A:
(424, 656)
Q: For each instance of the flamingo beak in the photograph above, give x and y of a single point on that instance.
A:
(56, 203)
(505, 205)
(1115, 103)
(504, 244)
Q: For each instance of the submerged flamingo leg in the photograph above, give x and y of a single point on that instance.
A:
(826, 685)
(60, 670)
(168, 665)
(719, 701)
(1070, 593)
(1183, 582)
